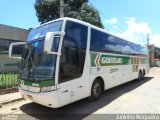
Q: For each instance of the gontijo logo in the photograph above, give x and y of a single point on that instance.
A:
(111, 60)
(98, 59)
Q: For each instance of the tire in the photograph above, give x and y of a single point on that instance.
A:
(96, 90)
(140, 76)
(143, 74)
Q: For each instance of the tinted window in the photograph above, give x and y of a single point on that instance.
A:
(44, 29)
(103, 42)
(98, 41)
(73, 51)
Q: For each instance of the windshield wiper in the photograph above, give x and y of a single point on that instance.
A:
(24, 61)
(30, 64)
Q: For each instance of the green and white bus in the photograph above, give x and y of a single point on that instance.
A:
(66, 60)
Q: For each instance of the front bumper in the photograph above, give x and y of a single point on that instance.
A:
(49, 99)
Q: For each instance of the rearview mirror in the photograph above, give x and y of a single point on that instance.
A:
(52, 42)
(16, 50)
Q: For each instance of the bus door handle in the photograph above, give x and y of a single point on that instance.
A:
(65, 91)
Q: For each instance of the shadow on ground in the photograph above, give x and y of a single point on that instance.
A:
(82, 108)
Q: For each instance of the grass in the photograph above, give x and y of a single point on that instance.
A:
(8, 80)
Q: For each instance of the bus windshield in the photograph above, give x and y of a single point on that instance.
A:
(37, 65)
(41, 31)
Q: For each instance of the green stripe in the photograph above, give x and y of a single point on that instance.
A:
(47, 83)
(110, 60)
(39, 84)
(93, 57)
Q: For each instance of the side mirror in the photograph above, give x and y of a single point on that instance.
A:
(51, 42)
(15, 50)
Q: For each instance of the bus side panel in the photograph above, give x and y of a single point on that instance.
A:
(114, 75)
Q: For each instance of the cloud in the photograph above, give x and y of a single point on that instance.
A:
(111, 21)
(134, 26)
(136, 31)
(155, 39)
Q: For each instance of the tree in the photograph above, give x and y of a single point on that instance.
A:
(157, 53)
(78, 9)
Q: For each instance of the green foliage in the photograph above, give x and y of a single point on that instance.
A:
(89, 14)
(46, 10)
(157, 53)
(75, 4)
(8, 80)
(78, 9)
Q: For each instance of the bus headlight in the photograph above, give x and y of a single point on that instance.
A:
(47, 89)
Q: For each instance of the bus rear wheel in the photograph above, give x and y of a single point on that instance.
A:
(96, 90)
(140, 76)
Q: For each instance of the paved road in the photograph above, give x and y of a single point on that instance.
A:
(133, 97)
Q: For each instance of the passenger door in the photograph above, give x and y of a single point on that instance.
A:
(71, 69)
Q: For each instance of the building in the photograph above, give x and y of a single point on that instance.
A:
(151, 55)
(9, 34)
(157, 62)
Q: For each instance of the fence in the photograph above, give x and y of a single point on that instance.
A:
(8, 79)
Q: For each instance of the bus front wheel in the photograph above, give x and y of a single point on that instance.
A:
(96, 90)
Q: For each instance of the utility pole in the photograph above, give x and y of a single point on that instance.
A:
(147, 39)
(61, 8)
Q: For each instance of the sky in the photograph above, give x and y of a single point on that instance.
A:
(129, 19)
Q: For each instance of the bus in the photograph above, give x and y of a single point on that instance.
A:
(66, 60)
(7, 64)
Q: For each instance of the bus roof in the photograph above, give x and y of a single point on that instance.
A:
(90, 25)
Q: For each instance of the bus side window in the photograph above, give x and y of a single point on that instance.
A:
(73, 52)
